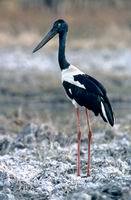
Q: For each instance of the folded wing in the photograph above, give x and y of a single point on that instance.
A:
(92, 96)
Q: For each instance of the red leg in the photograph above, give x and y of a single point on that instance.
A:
(78, 141)
(89, 142)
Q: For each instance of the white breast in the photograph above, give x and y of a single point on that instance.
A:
(68, 75)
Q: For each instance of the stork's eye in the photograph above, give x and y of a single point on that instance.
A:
(59, 24)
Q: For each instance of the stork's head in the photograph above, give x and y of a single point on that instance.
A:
(59, 26)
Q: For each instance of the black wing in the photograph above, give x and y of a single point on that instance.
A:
(91, 84)
(81, 96)
(91, 97)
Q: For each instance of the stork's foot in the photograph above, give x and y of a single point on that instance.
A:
(88, 173)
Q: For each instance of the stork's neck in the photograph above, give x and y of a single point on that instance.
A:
(61, 54)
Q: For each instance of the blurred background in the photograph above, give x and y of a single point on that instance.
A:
(99, 42)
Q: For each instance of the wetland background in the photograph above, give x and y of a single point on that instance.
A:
(99, 43)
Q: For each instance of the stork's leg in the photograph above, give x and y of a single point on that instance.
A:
(78, 141)
(89, 141)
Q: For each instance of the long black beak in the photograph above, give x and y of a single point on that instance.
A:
(48, 37)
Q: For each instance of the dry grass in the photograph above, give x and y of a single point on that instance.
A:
(31, 96)
(109, 26)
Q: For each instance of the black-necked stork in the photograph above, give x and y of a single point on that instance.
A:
(81, 89)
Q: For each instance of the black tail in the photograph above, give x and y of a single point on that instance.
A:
(108, 112)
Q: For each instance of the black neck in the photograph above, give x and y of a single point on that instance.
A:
(61, 54)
